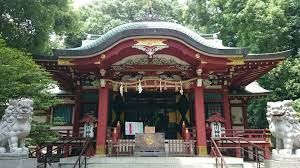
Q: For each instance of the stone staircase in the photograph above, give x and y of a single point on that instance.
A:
(151, 162)
(252, 164)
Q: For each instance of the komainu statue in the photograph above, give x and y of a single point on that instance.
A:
(15, 126)
(284, 126)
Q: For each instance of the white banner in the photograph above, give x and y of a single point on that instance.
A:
(131, 128)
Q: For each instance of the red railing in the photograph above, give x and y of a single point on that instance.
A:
(240, 144)
(68, 132)
(173, 147)
(249, 134)
(84, 154)
(176, 147)
(215, 152)
(55, 152)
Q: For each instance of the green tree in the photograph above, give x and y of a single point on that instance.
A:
(41, 133)
(297, 105)
(26, 25)
(258, 24)
(292, 12)
(101, 16)
(263, 26)
(22, 78)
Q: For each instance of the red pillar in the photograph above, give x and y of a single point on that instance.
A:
(227, 115)
(201, 147)
(245, 116)
(267, 153)
(102, 120)
(76, 119)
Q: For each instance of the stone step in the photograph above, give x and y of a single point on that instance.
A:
(252, 164)
(152, 162)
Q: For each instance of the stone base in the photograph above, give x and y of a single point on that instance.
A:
(282, 164)
(287, 158)
(149, 154)
(13, 156)
(10, 162)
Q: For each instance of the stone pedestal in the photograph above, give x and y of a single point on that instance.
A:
(282, 164)
(17, 162)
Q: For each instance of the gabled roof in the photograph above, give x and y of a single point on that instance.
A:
(88, 118)
(254, 87)
(250, 90)
(153, 28)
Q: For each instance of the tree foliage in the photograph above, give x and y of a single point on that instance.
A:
(258, 24)
(101, 16)
(22, 78)
(27, 24)
(262, 26)
(41, 133)
(297, 105)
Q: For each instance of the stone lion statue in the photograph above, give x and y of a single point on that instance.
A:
(284, 126)
(15, 126)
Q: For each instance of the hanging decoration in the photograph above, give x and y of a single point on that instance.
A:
(115, 87)
(151, 83)
(121, 89)
(160, 87)
(125, 89)
(181, 89)
(140, 89)
(176, 88)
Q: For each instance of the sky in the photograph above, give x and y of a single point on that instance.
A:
(78, 3)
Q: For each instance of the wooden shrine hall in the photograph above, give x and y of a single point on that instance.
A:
(162, 77)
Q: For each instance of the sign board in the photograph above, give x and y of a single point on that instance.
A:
(131, 128)
(88, 130)
(216, 129)
(149, 129)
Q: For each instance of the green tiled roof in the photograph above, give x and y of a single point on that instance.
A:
(266, 56)
(153, 28)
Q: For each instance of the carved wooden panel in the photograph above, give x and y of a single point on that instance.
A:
(149, 144)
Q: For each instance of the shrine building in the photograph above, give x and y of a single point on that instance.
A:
(160, 74)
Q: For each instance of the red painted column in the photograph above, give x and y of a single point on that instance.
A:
(267, 153)
(227, 115)
(76, 118)
(201, 147)
(102, 120)
(245, 115)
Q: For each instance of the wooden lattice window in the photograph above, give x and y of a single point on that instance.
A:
(89, 103)
(62, 114)
(213, 103)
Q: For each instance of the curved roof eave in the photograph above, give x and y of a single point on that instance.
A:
(136, 29)
(268, 56)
